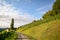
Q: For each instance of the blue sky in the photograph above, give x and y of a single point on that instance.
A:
(34, 7)
(23, 11)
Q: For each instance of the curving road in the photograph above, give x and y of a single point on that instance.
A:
(22, 37)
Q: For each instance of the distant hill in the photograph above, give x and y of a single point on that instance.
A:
(1, 29)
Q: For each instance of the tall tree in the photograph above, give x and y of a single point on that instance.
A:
(55, 10)
(47, 14)
(12, 24)
(56, 7)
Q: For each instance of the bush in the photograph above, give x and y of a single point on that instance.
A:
(8, 35)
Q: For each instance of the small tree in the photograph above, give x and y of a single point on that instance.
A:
(12, 24)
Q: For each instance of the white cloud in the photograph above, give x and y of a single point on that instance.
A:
(8, 11)
(45, 7)
(24, 0)
(42, 10)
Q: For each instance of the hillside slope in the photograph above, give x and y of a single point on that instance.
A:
(47, 28)
(45, 31)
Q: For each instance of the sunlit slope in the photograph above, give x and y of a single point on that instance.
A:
(45, 31)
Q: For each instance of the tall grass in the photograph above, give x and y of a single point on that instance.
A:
(46, 31)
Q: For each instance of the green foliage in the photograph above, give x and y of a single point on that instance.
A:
(12, 24)
(56, 7)
(55, 10)
(47, 14)
(11, 35)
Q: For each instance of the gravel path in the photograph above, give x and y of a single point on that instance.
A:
(22, 37)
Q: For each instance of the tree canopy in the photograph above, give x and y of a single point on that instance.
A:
(12, 24)
(55, 10)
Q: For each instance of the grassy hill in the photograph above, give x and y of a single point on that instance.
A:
(45, 31)
(38, 22)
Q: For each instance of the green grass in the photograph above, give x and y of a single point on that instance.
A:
(11, 35)
(46, 31)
